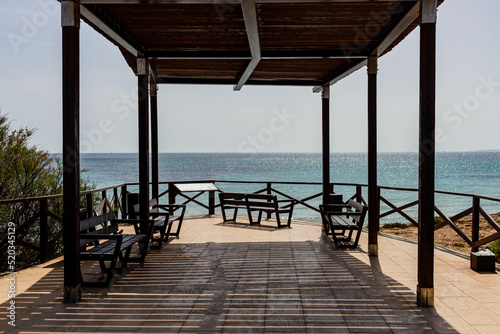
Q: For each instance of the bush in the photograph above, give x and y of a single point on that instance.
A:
(28, 171)
(395, 225)
(495, 248)
(438, 220)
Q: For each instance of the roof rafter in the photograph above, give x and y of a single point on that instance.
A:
(252, 26)
(99, 19)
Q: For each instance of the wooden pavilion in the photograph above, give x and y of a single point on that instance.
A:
(251, 42)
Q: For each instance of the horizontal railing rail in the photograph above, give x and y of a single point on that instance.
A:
(41, 231)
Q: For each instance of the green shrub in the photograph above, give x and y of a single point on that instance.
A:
(395, 225)
(438, 220)
(495, 248)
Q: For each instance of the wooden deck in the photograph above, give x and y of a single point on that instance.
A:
(236, 278)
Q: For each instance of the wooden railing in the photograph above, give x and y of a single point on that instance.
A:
(42, 231)
(475, 209)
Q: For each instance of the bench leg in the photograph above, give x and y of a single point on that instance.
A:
(178, 233)
(278, 219)
(223, 211)
(160, 240)
(125, 259)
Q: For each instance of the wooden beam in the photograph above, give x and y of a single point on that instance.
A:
(70, 21)
(245, 55)
(385, 43)
(127, 2)
(111, 29)
(153, 92)
(399, 29)
(219, 81)
(252, 27)
(427, 149)
(373, 200)
(325, 127)
(143, 120)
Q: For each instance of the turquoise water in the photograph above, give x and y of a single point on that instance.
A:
(464, 172)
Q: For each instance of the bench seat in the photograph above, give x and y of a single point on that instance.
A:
(101, 241)
(340, 221)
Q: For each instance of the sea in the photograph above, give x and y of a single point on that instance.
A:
(458, 172)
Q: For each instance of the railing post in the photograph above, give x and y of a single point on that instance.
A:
(44, 231)
(104, 206)
(115, 201)
(359, 193)
(268, 191)
(171, 195)
(124, 202)
(89, 198)
(475, 222)
(211, 202)
(377, 207)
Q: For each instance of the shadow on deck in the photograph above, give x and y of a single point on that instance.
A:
(232, 278)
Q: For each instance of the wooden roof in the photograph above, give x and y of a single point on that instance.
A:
(260, 42)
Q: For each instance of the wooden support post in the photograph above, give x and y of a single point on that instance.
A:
(425, 287)
(171, 195)
(211, 202)
(115, 202)
(89, 198)
(359, 193)
(269, 192)
(44, 231)
(104, 198)
(153, 91)
(325, 99)
(373, 220)
(475, 222)
(143, 98)
(70, 22)
(124, 202)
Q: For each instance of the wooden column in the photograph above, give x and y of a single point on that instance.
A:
(143, 97)
(425, 287)
(153, 91)
(373, 219)
(325, 99)
(70, 22)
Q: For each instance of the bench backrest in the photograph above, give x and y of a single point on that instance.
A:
(262, 200)
(102, 224)
(352, 206)
(358, 208)
(231, 198)
(152, 202)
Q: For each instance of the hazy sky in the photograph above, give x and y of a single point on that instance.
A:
(268, 119)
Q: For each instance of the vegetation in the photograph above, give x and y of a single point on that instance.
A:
(438, 220)
(495, 248)
(395, 225)
(27, 171)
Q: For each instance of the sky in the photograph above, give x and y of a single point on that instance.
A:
(200, 118)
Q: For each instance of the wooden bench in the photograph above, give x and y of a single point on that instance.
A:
(342, 220)
(269, 204)
(105, 227)
(163, 221)
(231, 201)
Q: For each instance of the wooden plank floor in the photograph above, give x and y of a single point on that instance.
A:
(236, 278)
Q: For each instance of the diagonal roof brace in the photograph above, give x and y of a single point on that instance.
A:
(387, 41)
(252, 26)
